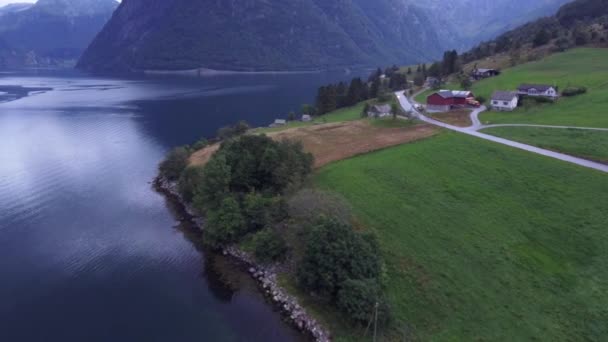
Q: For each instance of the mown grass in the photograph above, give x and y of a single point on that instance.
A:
(483, 242)
(580, 67)
(340, 115)
(585, 144)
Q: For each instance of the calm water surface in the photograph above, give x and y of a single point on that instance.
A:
(88, 250)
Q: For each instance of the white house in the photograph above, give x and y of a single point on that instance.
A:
(306, 118)
(538, 90)
(379, 111)
(504, 101)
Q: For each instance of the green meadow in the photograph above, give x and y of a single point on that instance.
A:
(581, 143)
(482, 242)
(586, 67)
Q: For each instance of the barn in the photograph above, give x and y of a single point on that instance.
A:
(444, 100)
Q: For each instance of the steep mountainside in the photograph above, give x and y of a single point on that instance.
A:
(468, 22)
(260, 35)
(50, 32)
(579, 23)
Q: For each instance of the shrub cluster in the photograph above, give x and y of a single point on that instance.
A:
(574, 91)
(344, 267)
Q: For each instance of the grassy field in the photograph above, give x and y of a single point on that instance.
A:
(483, 242)
(585, 144)
(580, 67)
(340, 115)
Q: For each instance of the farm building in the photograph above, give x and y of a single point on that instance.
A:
(379, 111)
(479, 74)
(542, 90)
(504, 100)
(444, 100)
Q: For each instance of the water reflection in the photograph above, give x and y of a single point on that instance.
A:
(87, 248)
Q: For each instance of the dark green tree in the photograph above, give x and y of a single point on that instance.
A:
(542, 38)
(335, 253)
(224, 225)
(358, 299)
(176, 161)
(215, 185)
(268, 245)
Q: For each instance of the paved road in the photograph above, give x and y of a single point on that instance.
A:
(543, 126)
(407, 106)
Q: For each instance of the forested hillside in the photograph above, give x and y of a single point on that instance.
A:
(246, 35)
(580, 23)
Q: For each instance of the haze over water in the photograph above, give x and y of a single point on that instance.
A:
(88, 250)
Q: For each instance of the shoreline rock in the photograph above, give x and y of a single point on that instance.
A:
(265, 275)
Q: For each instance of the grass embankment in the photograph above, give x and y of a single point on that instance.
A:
(580, 67)
(457, 117)
(340, 115)
(483, 242)
(585, 144)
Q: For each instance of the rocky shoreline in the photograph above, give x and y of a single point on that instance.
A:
(265, 275)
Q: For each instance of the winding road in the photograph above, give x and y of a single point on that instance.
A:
(473, 131)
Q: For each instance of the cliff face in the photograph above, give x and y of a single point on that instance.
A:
(260, 35)
(51, 32)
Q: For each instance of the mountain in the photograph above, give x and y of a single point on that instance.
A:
(296, 34)
(577, 23)
(50, 32)
(260, 35)
(465, 23)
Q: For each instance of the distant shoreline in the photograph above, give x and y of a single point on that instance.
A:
(213, 72)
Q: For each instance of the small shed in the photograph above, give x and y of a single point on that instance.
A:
(504, 100)
(479, 74)
(379, 111)
(306, 118)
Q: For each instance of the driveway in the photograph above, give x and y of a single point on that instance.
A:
(407, 106)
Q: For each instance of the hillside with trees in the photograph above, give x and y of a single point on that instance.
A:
(579, 23)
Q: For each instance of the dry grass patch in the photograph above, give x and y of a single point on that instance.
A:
(460, 117)
(336, 141)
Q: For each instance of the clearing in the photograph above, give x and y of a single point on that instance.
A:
(341, 140)
(482, 241)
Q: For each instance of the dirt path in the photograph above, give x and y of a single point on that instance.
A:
(406, 104)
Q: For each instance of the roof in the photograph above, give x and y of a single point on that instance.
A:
(447, 94)
(485, 70)
(381, 108)
(541, 87)
(503, 95)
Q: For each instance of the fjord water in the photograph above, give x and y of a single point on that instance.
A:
(88, 250)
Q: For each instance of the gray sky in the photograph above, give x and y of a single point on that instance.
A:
(5, 2)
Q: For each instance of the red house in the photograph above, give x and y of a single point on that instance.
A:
(444, 100)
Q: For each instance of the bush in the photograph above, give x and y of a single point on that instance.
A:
(191, 177)
(481, 99)
(175, 162)
(334, 253)
(199, 145)
(385, 97)
(215, 184)
(225, 225)
(574, 91)
(268, 245)
(228, 132)
(258, 163)
(358, 299)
